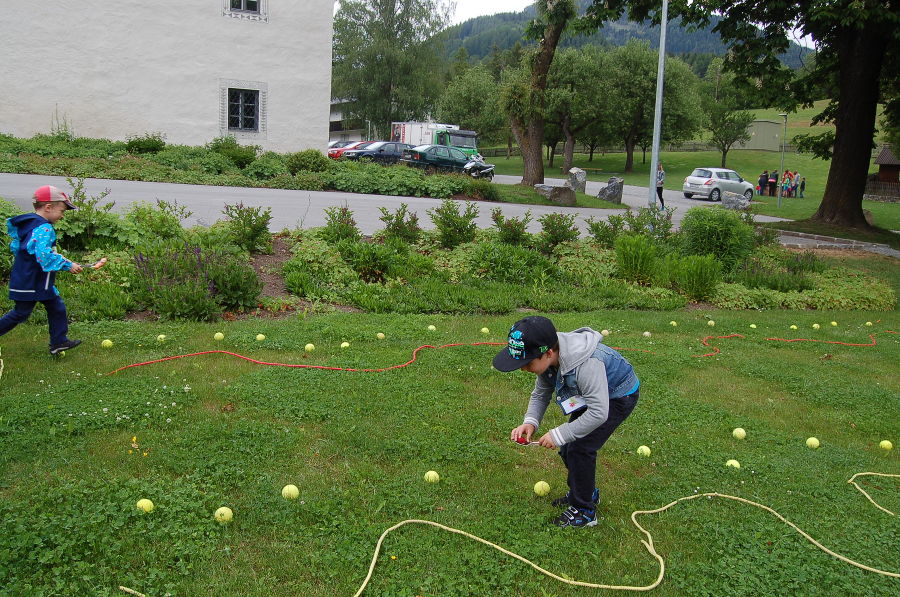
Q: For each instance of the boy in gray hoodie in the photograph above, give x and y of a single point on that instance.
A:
(593, 384)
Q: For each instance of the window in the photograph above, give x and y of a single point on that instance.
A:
(246, 10)
(245, 5)
(243, 110)
(441, 152)
(457, 154)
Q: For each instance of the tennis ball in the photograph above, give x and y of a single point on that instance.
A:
(646, 334)
(432, 477)
(886, 445)
(643, 451)
(733, 463)
(812, 443)
(431, 328)
(219, 336)
(605, 332)
(224, 514)
(833, 324)
(345, 345)
(793, 327)
(739, 433)
(673, 323)
(711, 323)
(380, 336)
(161, 338)
(816, 326)
(485, 331)
(260, 337)
(541, 488)
(752, 326)
(309, 347)
(106, 343)
(869, 323)
(145, 505)
(290, 492)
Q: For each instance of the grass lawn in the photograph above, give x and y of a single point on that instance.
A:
(213, 430)
(520, 194)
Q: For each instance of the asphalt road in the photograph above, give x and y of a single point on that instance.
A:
(306, 209)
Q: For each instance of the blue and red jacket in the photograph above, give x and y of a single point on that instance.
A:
(36, 260)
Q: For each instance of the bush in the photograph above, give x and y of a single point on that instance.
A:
(649, 221)
(557, 228)
(606, 232)
(7, 210)
(697, 276)
(454, 228)
(146, 143)
(240, 155)
(585, 263)
(339, 225)
(782, 281)
(92, 225)
(636, 258)
(249, 227)
(268, 165)
(717, 232)
(503, 262)
(308, 160)
(216, 163)
(180, 157)
(401, 224)
(159, 222)
(513, 231)
(480, 189)
(316, 271)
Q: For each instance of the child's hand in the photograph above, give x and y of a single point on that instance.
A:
(99, 264)
(547, 441)
(524, 430)
(75, 268)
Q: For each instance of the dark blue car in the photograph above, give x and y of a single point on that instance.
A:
(383, 152)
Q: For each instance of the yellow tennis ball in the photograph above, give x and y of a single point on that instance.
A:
(541, 488)
(219, 336)
(643, 451)
(673, 323)
(106, 343)
(432, 477)
(739, 433)
(647, 334)
(309, 347)
(711, 323)
(886, 445)
(816, 326)
(733, 463)
(345, 345)
(380, 336)
(605, 333)
(752, 326)
(224, 514)
(869, 323)
(290, 492)
(431, 328)
(145, 505)
(260, 337)
(161, 338)
(812, 443)
(793, 327)
(833, 324)
(485, 331)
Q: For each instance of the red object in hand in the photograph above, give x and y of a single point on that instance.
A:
(521, 440)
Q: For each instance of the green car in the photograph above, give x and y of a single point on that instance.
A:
(435, 158)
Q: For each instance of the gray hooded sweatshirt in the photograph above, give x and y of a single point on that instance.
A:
(575, 351)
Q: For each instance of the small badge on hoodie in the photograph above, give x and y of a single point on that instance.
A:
(570, 404)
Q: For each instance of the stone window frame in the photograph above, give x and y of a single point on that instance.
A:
(262, 123)
(260, 16)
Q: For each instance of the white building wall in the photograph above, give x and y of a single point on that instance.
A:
(129, 67)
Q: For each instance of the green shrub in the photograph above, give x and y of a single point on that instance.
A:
(402, 224)
(556, 228)
(162, 221)
(216, 163)
(502, 262)
(371, 261)
(606, 232)
(782, 281)
(807, 261)
(636, 258)
(7, 210)
(240, 155)
(235, 283)
(649, 221)
(454, 228)
(268, 165)
(339, 225)
(94, 300)
(483, 190)
(316, 271)
(843, 289)
(13, 164)
(513, 231)
(697, 276)
(179, 157)
(249, 227)
(718, 232)
(92, 225)
(146, 143)
(308, 160)
(308, 181)
(585, 263)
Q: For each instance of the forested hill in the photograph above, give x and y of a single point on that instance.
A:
(479, 36)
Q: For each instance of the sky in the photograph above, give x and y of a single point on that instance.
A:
(467, 9)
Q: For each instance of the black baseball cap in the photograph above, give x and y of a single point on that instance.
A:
(528, 339)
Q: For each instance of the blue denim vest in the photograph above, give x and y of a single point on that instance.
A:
(620, 375)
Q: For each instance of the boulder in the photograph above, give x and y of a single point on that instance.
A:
(563, 195)
(869, 218)
(544, 189)
(613, 190)
(577, 179)
(734, 200)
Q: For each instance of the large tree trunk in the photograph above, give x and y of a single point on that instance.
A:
(531, 143)
(591, 154)
(629, 154)
(569, 146)
(860, 54)
(724, 153)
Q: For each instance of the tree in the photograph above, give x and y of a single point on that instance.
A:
(385, 60)
(523, 95)
(720, 98)
(858, 49)
(472, 101)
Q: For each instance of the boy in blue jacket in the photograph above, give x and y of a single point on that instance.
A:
(594, 385)
(35, 266)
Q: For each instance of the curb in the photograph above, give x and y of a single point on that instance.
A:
(831, 239)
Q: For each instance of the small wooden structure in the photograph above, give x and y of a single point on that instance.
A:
(888, 165)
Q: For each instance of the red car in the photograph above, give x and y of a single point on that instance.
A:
(335, 153)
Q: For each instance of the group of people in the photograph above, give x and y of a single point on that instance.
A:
(791, 183)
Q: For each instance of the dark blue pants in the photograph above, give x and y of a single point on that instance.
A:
(580, 456)
(56, 316)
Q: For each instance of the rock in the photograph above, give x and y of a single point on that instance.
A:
(613, 190)
(734, 200)
(869, 219)
(577, 179)
(564, 196)
(544, 189)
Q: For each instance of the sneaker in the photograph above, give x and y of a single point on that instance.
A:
(576, 517)
(564, 500)
(55, 349)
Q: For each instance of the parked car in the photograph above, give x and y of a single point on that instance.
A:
(712, 182)
(335, 153)
(383, 152)
(435, 158)
(336, 144)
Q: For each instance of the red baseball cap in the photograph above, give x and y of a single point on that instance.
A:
(48, 193)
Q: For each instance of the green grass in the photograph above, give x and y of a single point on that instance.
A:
(879, 235)
(528, 196)
(358, 444)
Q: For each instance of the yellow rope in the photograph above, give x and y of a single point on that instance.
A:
(648, 543)
(863, 491)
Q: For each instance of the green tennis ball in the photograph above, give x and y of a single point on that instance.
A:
(733, 463)
(309, 347)
(290, 492)
(711, 323)
(643, 451)
(812, 443)
(260, 337)
(107, 343)
(431, 328)
(485, 331)
(224, 515)
(380, 336)
(345, 345)
(886, 445)
(541, 488)
(219, 336)
(432, 477)
(739, 433)
(145, 505)
(161, 338)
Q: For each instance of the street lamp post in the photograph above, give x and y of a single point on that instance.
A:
(784, 134)
(657, 114)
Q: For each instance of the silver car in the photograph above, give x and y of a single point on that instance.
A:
(712, 182)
